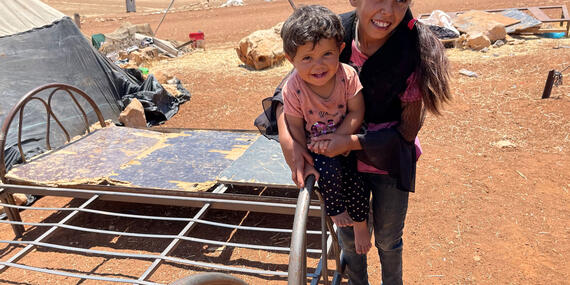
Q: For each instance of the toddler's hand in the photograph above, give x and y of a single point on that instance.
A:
(308, 170)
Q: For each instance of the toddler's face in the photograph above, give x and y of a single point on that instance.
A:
(317, 65)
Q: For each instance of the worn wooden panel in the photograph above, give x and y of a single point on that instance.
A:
(262, 164)
(89, 160)
(189, 160)
(526, 21)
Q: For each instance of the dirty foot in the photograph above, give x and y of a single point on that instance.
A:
(342, 220)
(361, 237)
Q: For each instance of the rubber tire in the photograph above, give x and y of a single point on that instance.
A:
(213, 278)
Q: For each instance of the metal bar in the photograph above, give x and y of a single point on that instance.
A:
(23, 157)
(223, 225)
(298, 256)
(172, 246)
(335, 244)
(147, 256)
(292, 4)
(81, 276)
(85, 118)
(247, 202)
(18, 108)
(163, 16)
(317, 274)
(565, 14)
(548, 85)
(537, 13)
(12, 213)
(324, 244)
(147, 193)
(28, 248)
(158, 236)
(337, 278)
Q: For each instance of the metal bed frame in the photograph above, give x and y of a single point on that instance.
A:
(302, 208)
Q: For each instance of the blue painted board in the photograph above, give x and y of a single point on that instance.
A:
(262, 164)
(185, 159)
(89, 160)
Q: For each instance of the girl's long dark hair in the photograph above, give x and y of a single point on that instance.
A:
(433, 67)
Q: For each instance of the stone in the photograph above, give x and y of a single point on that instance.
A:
(19, 199)
(468, 73)
(499, 43)
(162, 76)
(136, 57)
(496, 32)
(150, 52)
(144, 29)
(133, 115)
(262, 49)
(478, 41)
(504, 144)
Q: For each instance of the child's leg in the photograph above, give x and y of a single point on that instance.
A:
(357, 199)
(330, 187)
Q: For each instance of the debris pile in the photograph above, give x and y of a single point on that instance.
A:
(480, 30)
(133, 46)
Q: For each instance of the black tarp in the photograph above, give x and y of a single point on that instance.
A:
(59, 53)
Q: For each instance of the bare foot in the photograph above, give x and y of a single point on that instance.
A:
(342, 220)
(361, 237)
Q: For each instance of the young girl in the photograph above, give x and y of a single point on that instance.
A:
(404, 72)
(322, 96)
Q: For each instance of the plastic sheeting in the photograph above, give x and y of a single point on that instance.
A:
(59, 53)
(18, 16)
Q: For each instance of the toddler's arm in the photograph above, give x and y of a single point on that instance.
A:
(296, 127)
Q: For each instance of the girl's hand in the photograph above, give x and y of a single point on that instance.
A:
(318, 146)
(335, 144)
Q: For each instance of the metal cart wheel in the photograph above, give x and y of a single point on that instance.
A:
(213, 278)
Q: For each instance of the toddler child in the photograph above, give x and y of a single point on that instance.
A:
(323, 96)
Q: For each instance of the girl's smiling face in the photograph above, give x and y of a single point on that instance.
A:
(378, 18)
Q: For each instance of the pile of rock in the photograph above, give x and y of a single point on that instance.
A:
(481, 29)
(262, 49)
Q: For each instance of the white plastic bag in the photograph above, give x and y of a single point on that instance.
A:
(233, 3)
(440, 18)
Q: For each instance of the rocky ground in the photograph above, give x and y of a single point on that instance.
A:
(491, 205)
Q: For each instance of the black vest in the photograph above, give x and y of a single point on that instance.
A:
(384, 74)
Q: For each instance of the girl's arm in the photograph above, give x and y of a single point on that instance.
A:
(411, 119)
(354, 115)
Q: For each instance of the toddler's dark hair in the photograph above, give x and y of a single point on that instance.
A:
(310, 23)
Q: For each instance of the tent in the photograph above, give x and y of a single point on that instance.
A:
(40, 45)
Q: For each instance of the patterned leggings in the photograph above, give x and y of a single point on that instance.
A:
(342, 187)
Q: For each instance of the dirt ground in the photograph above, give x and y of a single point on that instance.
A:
(491, 204)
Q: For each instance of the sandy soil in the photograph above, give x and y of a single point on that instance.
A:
(491, 205)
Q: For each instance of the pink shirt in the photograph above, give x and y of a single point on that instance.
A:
(412, 93)
(321, 115)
